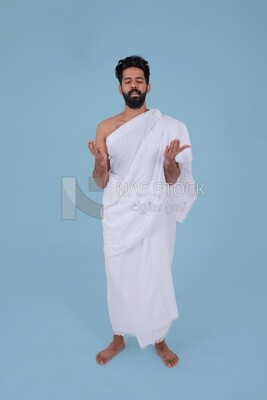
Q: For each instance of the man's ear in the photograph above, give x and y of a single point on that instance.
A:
(148, 88)
(120, 89)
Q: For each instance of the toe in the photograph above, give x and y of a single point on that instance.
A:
(168, 363)
(175, 361)
(102, 360)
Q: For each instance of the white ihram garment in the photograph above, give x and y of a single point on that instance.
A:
(139, 225)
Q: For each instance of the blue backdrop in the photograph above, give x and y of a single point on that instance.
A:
(208, 69)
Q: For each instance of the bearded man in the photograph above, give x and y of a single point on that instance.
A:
(143, 162)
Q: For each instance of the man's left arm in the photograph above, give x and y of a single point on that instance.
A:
(171, 166)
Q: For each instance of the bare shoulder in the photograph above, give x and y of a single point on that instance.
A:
(109, 125)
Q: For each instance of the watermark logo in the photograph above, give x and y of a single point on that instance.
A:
(143, 208)
(72, 197)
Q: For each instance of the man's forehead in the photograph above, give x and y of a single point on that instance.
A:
(133, 72)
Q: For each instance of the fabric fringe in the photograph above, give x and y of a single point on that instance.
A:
(160, 339)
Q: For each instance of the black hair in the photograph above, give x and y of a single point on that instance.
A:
(132, 61)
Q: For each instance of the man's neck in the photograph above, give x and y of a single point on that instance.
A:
(130, 113)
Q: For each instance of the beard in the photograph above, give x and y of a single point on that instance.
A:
(134, 102)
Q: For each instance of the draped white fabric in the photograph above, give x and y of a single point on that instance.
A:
(139, 222)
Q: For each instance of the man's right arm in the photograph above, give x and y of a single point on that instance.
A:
(98, 149)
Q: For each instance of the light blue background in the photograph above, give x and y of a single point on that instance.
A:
(208, 69)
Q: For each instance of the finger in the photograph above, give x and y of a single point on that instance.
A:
(167, 148)
(95, 147)
(92, 148)
(176, 145)
(185, 146)
(171, 145)
(91, 143)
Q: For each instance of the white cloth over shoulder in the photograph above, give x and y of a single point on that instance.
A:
(139, 222)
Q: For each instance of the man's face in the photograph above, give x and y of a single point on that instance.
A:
(133, 87)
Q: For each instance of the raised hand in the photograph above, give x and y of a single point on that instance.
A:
(172, 149)
(100, 173)
(99, 154)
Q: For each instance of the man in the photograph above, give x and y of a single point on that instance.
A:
(143, 162)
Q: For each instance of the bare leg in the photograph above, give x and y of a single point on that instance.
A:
(169, 358)
(112, 350)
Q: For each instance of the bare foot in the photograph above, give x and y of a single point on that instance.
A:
(169, 358)
(112, 350)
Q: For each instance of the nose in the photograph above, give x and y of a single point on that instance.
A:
(133, 85)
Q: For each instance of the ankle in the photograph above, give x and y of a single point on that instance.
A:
(118, 338)
(160, 344)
